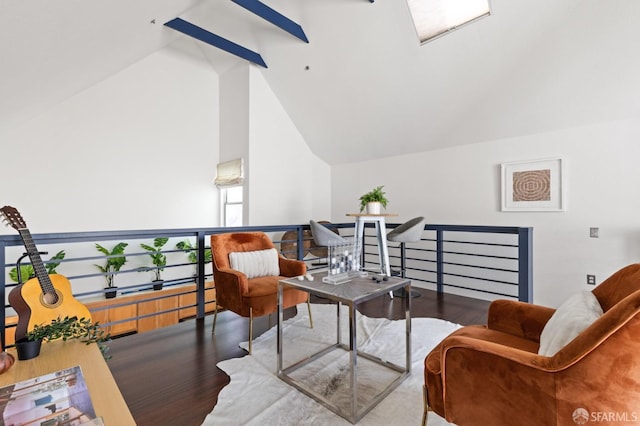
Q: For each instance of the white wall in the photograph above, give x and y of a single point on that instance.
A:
(284, 181)
(234, 124)
(461, 185)
(139, 149)
(234, 113)
(136, 151)
(288, 183)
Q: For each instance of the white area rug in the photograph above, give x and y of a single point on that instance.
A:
(255, 395)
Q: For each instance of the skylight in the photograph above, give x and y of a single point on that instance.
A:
(434, 18)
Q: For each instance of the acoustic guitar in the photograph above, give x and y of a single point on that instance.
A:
(44, 298)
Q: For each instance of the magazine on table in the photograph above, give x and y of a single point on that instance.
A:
(52, 399)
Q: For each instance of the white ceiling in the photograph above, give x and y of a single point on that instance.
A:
(370, 90)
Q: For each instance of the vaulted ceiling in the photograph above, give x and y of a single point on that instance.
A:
(363, 87)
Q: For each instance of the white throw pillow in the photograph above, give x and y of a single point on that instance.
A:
(260, 263)
(570, 319)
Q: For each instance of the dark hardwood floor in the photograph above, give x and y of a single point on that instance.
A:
(169, 376)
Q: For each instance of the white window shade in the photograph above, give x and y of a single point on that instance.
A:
(230, 173)
(434, 18)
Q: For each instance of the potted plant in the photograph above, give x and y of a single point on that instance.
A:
(67, 328)
(28, 347)
(158, 259)
(192, 252)
(114, 261)
(27, 272)
(373, 200)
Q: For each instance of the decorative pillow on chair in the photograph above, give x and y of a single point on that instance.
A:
(260, 263)
(570, 319)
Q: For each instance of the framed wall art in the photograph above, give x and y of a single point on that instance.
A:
(533, 186)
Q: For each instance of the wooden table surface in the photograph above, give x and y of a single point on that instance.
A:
(105, 394)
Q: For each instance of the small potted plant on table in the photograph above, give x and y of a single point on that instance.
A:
(67, 328)
(373, 201)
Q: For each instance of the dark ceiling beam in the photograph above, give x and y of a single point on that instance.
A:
(215, 40)
(270, 15)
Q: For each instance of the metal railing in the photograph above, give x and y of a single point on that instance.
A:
(479, 261)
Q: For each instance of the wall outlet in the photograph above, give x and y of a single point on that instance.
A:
(594, 232)
(591, 279)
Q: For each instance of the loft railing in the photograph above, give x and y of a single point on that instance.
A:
(475, 260)
(134, 280)
(486, 262)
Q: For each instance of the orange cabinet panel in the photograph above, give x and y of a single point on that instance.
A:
(190, 299)
(160, 320)
(117, 313)
(10, 332)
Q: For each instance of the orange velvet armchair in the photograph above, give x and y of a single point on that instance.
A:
(257, 296)
(493, 375)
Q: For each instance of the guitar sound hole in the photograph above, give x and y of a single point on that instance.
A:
(51, 300)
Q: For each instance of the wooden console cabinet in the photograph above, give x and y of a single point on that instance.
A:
(135, 305)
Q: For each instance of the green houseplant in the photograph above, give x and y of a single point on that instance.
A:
(27, 272)
(376, 195)
(192, 252)
(158, 259)
(69, 328)
(115, 259)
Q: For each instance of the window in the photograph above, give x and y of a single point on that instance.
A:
(230, 173)
(435, 18)
(229, 178)
(231, 206)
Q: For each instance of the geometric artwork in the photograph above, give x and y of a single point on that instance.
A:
(532, 185)
(535, 185)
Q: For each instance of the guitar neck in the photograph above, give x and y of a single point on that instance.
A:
(36, 261)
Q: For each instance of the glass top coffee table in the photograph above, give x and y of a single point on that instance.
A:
(355, 398)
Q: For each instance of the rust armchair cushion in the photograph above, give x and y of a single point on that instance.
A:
(518, 318)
